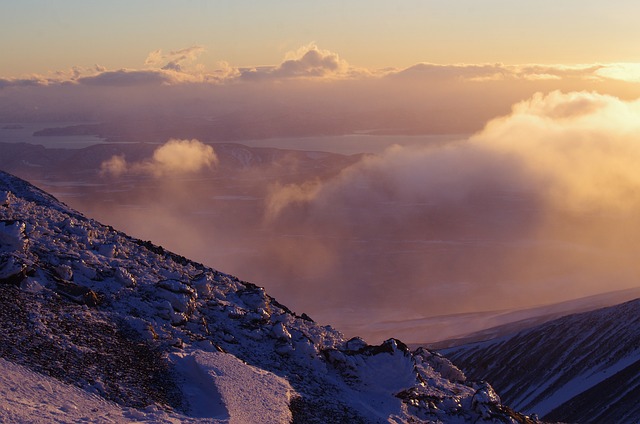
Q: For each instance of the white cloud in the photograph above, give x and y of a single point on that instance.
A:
(584, 147)
(307, 62)
(629, 72)
(175, 157)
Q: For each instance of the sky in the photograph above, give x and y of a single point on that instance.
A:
(44, 36)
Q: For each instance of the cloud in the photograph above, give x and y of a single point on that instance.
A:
(22, 82)
(436, 71)
(126, 77)
(579, 150)
(499, 72)
(168, 68)
(183, 156)
(311, 63)
(537, 207)
(280, 196)
(175, 157)
(154, 58)
(174, 59)
(584, 147)
(115, 167)
(179, 66)
(307, 62)
(629, 72)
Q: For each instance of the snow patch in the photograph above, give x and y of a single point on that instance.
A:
(28, 397)
(219, 385)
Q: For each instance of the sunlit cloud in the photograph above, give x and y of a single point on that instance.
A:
(629, 72)
(174, 59)
(462, 71)
(310, 62)
(167, 68)
(537, 207)
(579, 149)
(175, 157)
(22, 82)
(582, 147)
(498, 72)
(280, 196)
(307, 62)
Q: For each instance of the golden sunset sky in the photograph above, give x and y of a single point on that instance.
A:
(40, 37)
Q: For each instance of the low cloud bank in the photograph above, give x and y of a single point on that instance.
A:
(310, 62)
(538, 207)
(581, 149)
(578, 151)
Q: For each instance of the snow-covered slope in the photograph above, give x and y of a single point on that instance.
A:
(512, 321)
(29, 397)
(580, 368)
(159, 337)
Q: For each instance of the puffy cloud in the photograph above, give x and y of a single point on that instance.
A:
(307, 62)
(115, 167)
(175, 157)
(183, 156)
(584, 147)
(311, 61)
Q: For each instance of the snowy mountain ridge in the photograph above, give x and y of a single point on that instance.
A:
(166, 339)
(580, 368)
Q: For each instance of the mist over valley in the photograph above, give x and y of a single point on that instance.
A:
(439, 226)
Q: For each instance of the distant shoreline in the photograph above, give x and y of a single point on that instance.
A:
(358, 142)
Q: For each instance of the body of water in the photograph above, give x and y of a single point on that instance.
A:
(354, 143)
(23, 133)
(343, 144)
